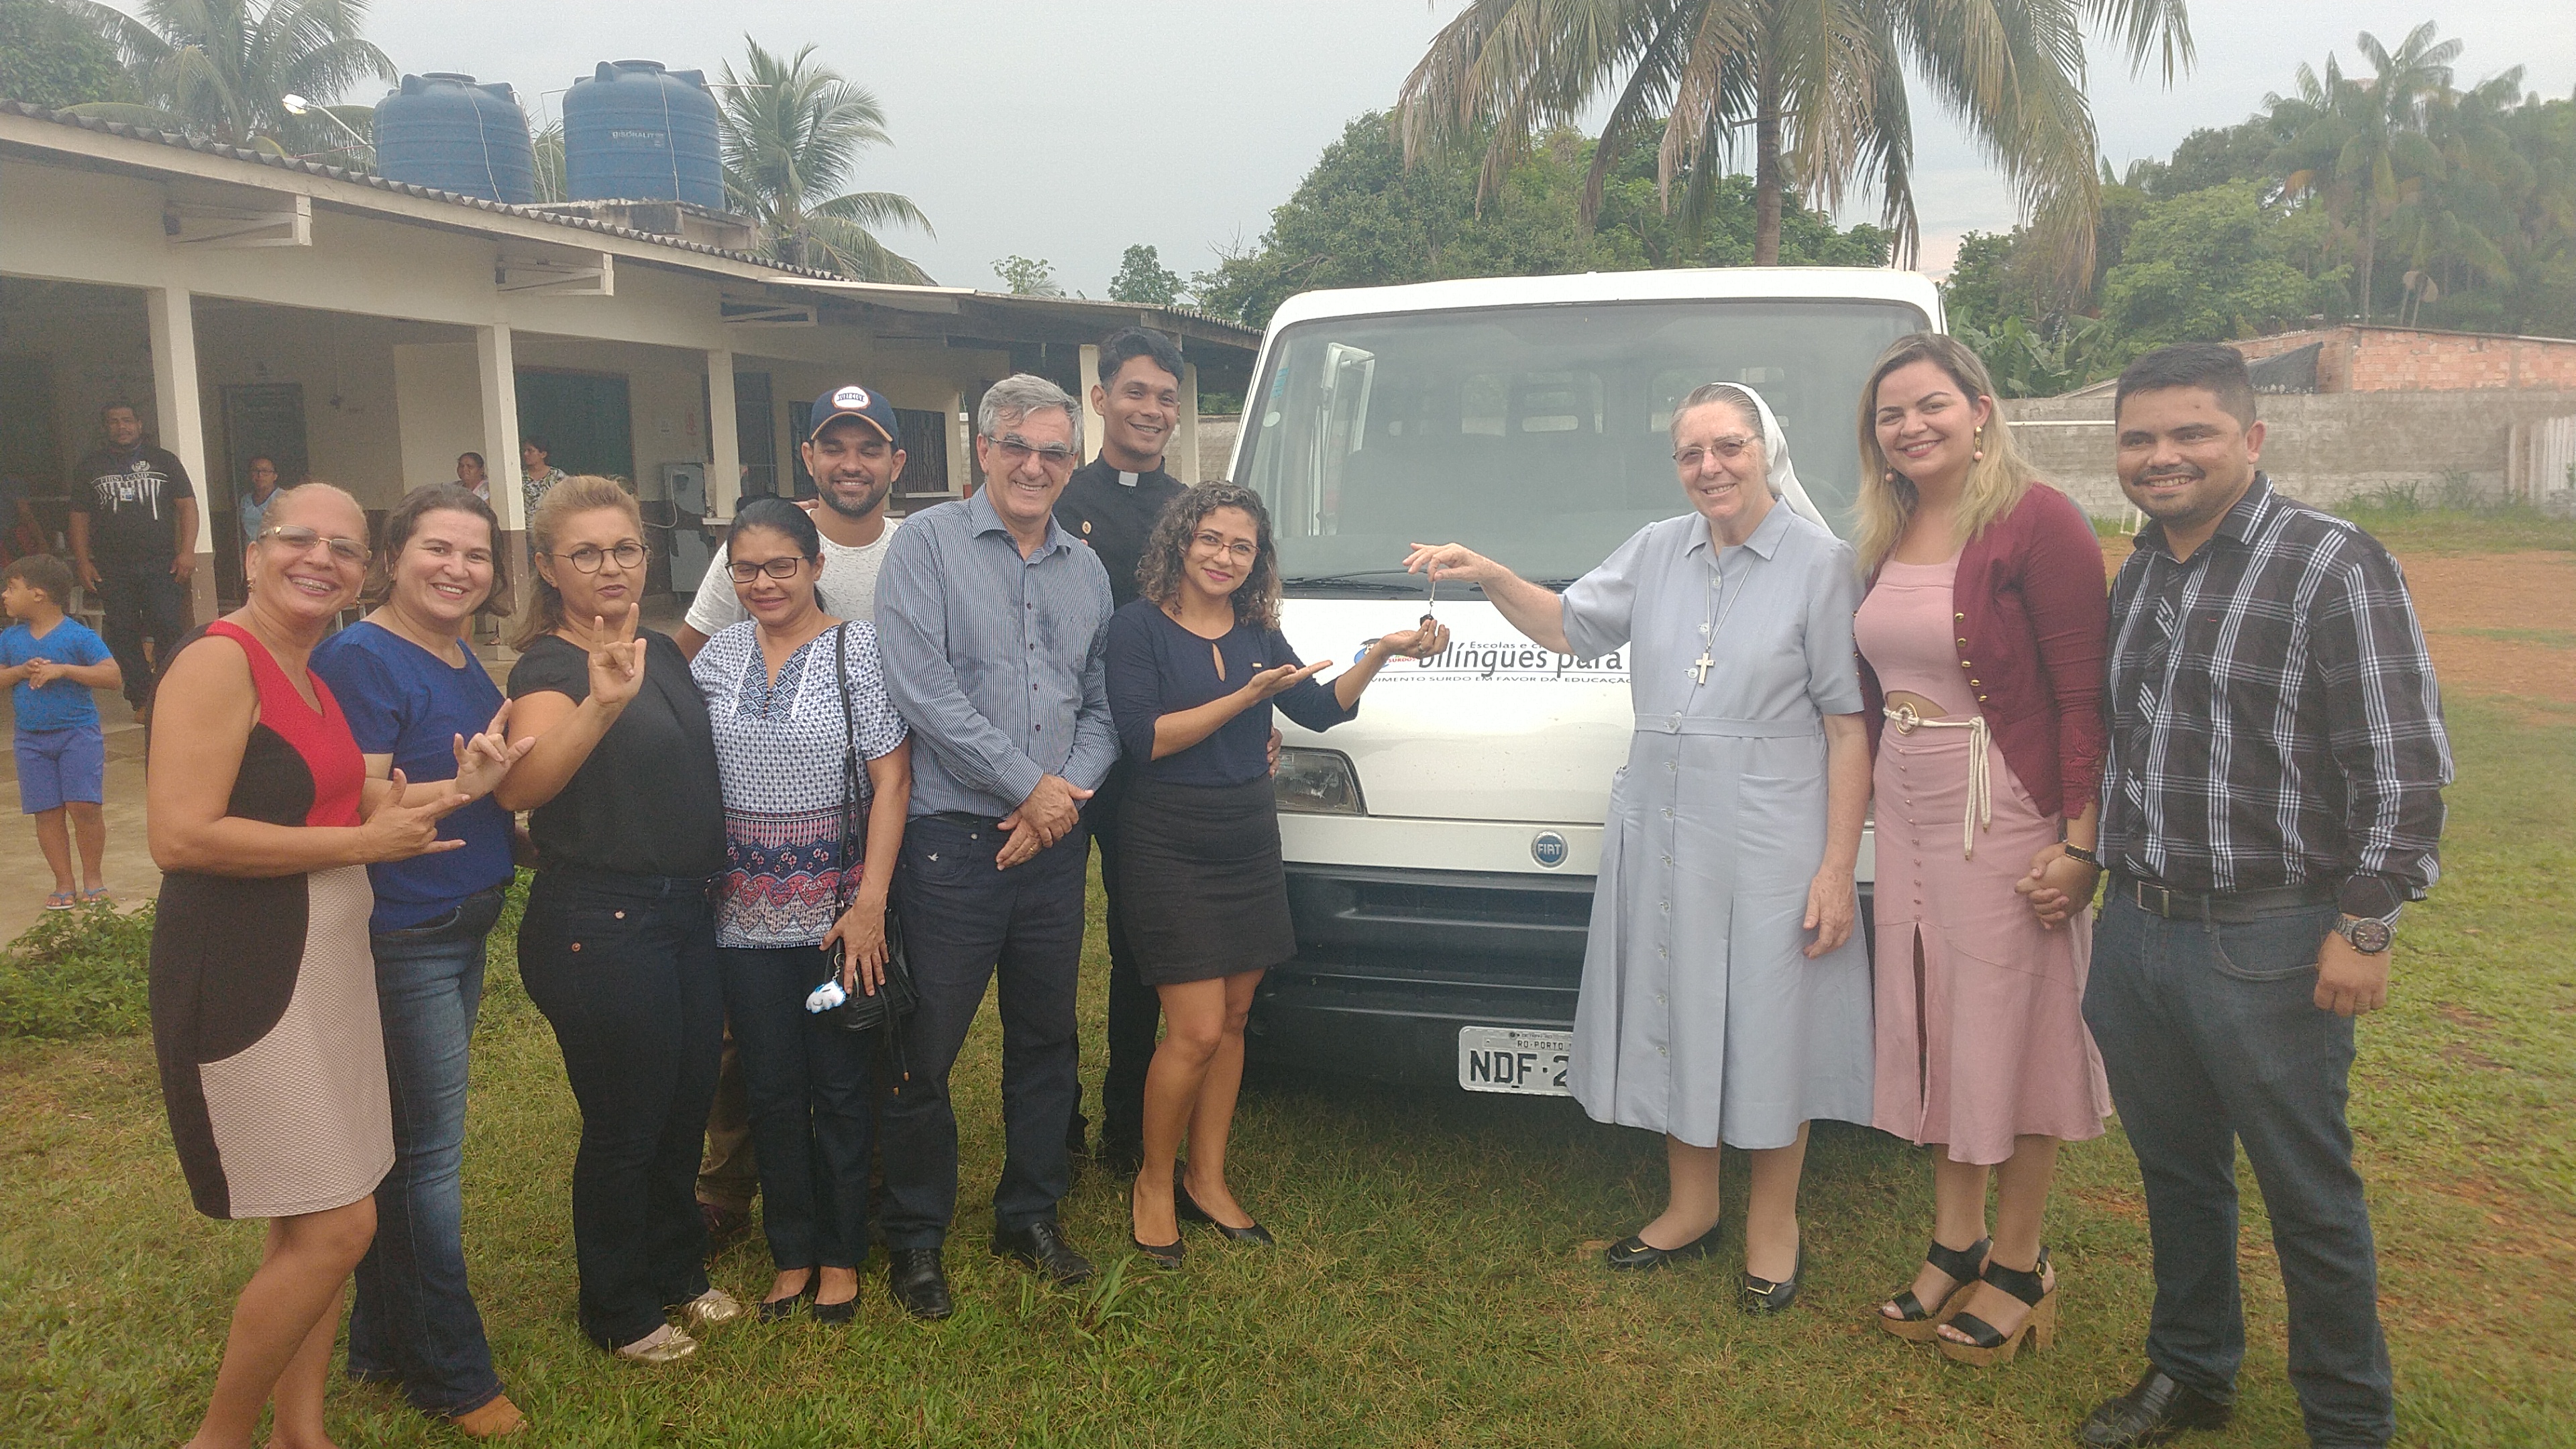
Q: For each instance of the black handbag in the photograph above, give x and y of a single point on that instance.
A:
(895, 998)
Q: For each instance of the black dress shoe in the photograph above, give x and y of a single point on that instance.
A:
(1762, 1295)
(2153, 1410)
(1632, 1254)
(1119, 1156)
(1188, 1210)
(773, 1310)
(918, 1283)
(1041, 1245)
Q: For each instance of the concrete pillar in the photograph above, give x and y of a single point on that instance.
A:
(724, 445)
(180, 421)
(1091, 423)
(497, 380)
(1181, 457)
(961, 446)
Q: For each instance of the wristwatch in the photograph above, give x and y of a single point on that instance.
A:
(2368, 935)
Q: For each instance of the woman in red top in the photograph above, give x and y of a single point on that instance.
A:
(1981, 643)
(264, 1013)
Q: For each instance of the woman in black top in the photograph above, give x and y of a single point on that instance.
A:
(1194, 666)
(618, 946)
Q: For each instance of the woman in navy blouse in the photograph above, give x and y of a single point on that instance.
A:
(1194, 667)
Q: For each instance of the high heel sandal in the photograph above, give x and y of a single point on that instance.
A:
(1961, 1266)
(1187, 1209)
(1986, 1347)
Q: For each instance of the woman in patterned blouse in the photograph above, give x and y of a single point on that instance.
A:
(789, 690)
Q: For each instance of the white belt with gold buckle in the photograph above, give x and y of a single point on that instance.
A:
(1981, 790)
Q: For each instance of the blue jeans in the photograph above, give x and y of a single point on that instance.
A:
(2211, 1036)
(624, 967)
(808, 1083)
(413, 1318)
(964, 923)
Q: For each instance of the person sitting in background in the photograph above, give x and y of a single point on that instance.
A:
(797, 700)
(618, 946)
(471, 476)
(51, 663)
(253, 505)
(413, 695)
(1194, 668)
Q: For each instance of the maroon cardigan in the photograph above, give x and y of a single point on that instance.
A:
(2033, 610)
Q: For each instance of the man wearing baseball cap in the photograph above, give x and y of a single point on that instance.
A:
(853, 450)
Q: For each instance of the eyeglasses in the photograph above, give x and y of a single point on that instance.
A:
(1727, 449)
(299, 539)
(782, 567)
(1018, 450)
(1240, 552)
(629, 554)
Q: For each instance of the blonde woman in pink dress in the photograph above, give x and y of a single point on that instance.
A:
(1981, 640)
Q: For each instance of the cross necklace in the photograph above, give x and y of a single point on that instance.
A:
(1711, 622)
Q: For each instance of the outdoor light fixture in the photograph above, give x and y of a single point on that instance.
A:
(298, 106)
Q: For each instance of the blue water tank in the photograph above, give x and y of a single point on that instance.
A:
(445, 131)
(636, 132)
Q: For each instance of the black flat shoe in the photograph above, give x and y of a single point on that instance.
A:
(1167, 1256)
(1041, 1245)
(2153, 1410)
(842, 1312)
(918, 1283)
(1761, 1295)
(1187, 1209)
(773, 1310)
(1633, 1254)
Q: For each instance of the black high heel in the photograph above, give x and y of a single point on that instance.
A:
(1167, 1256)
(1187, 1209)
(1761, 1295)
(1633, 1254)
(1985, 1347)
(1961, 1266)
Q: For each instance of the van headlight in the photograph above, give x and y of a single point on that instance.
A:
(1318, 782)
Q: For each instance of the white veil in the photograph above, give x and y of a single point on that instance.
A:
(1775, 451)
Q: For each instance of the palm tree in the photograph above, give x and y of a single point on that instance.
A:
(222, 69)
(1819, 83)
(793, 129)
(2362, 142)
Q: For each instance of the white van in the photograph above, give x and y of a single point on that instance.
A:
(1441, 847)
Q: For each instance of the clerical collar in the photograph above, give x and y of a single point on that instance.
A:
(1126, 480)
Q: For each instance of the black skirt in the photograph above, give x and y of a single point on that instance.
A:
(1200, 882)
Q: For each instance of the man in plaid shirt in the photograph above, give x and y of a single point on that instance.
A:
(2271, 800)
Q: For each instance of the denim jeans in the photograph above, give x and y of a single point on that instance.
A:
(964, 923)
(624, 967)
(2210, 1036)
(808, 1082)
(413, 1319)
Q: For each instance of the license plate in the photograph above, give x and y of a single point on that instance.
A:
(1508, 1059)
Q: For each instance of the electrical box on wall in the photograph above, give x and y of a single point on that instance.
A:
(685, 484)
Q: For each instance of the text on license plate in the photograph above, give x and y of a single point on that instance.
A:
(1509, 1059)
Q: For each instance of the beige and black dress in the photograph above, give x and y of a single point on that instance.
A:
(263, 989)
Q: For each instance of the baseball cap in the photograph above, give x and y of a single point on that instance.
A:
(854, 401)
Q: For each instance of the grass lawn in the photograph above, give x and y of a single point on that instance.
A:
(1438, 1282)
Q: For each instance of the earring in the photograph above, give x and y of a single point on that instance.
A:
(1888, 477)
(1979, 455)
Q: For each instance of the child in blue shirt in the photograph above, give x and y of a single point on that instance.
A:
(52, 663)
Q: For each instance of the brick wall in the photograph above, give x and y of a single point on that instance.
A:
(2396, 359)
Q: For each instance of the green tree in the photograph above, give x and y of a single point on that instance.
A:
(793, 131)
(1142, 278)
(1028, 276)
(222, 70)
(1820, 84)
(2205, 268)
(2363, 142)
(50, 57)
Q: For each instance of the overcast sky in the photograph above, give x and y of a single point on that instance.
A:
(1068, 132)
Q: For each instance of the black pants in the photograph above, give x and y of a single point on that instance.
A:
(624, 967)
(808, 1084)
(1135, 1011)
(964, 924)
(141, 601)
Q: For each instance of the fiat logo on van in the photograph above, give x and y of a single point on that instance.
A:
(1548, 849)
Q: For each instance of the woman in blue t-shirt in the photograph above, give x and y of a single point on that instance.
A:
(798, 701)
(1194, 667)
(419, 703)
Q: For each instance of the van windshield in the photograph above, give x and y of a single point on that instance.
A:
(1535, 435)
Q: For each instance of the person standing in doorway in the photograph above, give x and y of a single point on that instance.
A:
(537, 472)
(253, 505)
(134, 544)
(472, 476)
(995, 627)
(1112, 504)
(2271, 799)
(854, 453)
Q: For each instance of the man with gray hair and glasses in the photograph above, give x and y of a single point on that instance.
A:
(994, 625)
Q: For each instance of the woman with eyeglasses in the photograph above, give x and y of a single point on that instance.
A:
(415, 696)
(817, 774)
(1196, 664)
(618, 945)
(1725, 999)
(264, 1013)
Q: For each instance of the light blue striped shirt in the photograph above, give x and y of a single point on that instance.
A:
(997, 662)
